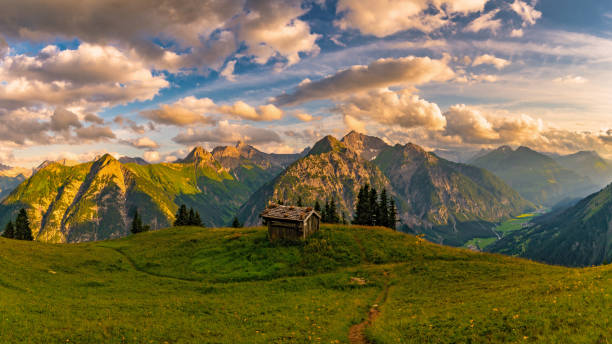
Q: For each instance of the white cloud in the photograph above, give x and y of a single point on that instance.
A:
(228, 71)
(385, 17)
(184, 112)
(485, 22)
(571, 80)
(401, 108)
(517, 33)
(304, 117)
(527, 12)
(381, 73)
(91, 77)
(143, 143)
(243, 110)
(227, 133)
(152, 156)
(497, 62)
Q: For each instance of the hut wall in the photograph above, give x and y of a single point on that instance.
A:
(285, 230)
(311, 226)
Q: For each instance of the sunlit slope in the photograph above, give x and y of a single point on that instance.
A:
(193, 285)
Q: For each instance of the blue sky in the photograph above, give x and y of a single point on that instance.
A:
(80, 80)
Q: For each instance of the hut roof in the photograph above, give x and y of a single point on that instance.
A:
(288, 213)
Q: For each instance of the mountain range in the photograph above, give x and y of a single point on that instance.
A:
(75, 202)
(536, 176)
(449, 202)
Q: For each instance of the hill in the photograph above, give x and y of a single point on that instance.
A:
(588, 164)
(193, 285)
(75, 202)
(578, 236)
(451, 203)
(537, 177)
(10, 178)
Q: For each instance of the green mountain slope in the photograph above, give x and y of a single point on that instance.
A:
(451, 203)
(535, 176)
(69, 202)
(588, 164)
(578, 236)
(200, 285)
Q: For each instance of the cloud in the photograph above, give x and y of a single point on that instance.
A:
(184, 112)
(94, 133)
(91, 76)
(517, 33)
(304, 117)
(273, 26)
(227, 133)
(152, 156)
(570, 80)
(497, 62)
(142, 143)
(401, 108)
(527, 12)
(485, 22)
(4, 47)
(93, 118)
(228, 71)
(127, 123)
(381, 73)
(63, 119)
(385, 17)
(243, 110)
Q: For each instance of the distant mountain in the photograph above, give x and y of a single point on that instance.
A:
(461, 156)
(451, 203)
(588, 164)
(69, 202)
(537, 177)
(135, 160)
(577, 236)
(10, 178)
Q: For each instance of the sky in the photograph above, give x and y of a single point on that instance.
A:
(154, 78)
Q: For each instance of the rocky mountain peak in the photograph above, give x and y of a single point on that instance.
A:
(326, 145)
(366, 146)
(197, 155)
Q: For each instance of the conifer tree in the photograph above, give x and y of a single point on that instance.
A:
(137, 224)
(191, 217)
(361, 211)
(392, 214)
(236, 223)
(197, 220)
(9, 231)
(299, 201)
(332, 215)
(383, 209)
(326, 212)
(182, 216)
(22, 226)
(317, 207)
(372, 208)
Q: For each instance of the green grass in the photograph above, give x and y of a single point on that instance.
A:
(504, 228)
(194, 285)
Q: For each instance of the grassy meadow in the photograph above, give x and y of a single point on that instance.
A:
(201, 285)
(508, 226)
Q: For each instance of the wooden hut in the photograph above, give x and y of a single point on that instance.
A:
(289, 222)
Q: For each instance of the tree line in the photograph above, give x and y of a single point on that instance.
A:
(20, 230)
(183, 217)
(375, 210)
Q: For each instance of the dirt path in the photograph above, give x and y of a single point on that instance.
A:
(357, 332)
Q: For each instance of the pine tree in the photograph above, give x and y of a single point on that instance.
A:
(361, 209)
(392, 215)
(372, 208)
(343, 220)
(299, 201)
(9, 231)
(197, 220)
(236, 223)
(326, 212)
(182, 217)
(191, 217)
(383, 209)
(137, 224)
(22, 226)
(332, 215)
(317, 207)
